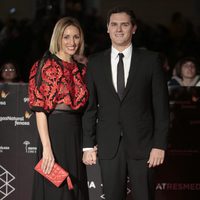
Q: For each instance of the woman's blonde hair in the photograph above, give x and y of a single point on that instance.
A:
(58, 31)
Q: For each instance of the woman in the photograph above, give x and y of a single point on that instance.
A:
(185, 73)
(9, 72)
(58, 94)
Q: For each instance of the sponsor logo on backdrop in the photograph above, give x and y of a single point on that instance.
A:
(178, 186)
(26, 99)
(3, 96)
(4, 148)
(18, 121)
(92, 185)
(6, 179)
(28, 148)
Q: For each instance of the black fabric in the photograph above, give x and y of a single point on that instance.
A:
(120, 76)
(114, 175)
(65, 135)
(142, 115)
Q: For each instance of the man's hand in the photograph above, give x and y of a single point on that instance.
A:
(156, 157)
(90, 156)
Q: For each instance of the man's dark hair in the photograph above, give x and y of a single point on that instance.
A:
(122, 10)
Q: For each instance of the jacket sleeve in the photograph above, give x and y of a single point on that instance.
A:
(160, 106)
(42, 96)
(90, 115)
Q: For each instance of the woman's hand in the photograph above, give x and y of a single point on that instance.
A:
(47, 160)
(48, 157)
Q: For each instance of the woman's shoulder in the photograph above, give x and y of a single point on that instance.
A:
(48, 63)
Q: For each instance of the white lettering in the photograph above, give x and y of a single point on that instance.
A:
(17, 123)
(91, 184)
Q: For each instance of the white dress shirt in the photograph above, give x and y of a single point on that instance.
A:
(114, 61)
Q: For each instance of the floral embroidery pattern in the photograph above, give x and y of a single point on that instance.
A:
(59, 84)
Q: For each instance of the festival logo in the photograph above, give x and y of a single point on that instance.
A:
(28, 115)
(3, 96)
(5, 183)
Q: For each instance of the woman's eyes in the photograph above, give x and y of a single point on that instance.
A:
(74, 37)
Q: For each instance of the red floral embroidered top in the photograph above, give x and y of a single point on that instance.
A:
(60, 82)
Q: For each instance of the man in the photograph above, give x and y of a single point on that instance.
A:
(127, 112)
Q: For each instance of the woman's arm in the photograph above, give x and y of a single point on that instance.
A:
(48, 157)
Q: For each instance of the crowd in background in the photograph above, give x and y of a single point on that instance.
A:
(24, 41)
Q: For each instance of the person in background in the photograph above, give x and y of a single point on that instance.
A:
(81, 59)
(185, 73)
(127, 115)
(57, 95)
(9, 72)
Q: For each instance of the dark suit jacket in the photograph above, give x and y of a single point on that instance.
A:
(142, 115)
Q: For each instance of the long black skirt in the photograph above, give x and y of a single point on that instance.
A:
(66, 137)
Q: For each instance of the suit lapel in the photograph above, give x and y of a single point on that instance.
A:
(108, 73)
(133, 71)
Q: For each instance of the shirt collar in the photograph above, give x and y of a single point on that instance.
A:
(127, 52)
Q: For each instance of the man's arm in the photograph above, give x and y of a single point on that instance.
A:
(89, 121)
(161, 115)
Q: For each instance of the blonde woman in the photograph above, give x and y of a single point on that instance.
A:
(58, 94)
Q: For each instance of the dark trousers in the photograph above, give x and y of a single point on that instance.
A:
(114, 175)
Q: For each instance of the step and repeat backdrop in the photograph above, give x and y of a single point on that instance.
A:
(177, 179)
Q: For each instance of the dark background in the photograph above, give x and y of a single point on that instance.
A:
(169, 27)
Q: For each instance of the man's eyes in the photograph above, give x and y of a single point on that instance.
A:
(123, 24)
(113, 24)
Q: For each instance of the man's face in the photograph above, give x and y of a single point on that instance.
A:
(120, 30)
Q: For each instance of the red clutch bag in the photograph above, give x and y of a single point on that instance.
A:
(57, 175)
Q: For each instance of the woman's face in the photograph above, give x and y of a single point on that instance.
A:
(188, 70)
(8, 72)
(70, 41)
